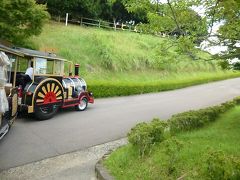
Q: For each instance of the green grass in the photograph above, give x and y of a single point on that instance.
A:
(189, 161)
(128, 59)
(99, 50)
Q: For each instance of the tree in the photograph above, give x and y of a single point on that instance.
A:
(60, 7)
(174, 17)
(75, 8)
(115, 10)
(21, 19)
(228, 14)
(99, 9)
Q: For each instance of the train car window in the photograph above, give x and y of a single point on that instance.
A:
(59, 67)
(22, 65)
(41, 66)
(50, 65)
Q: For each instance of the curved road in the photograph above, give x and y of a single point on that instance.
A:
(107, 120)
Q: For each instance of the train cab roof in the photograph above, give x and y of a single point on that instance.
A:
(10, 50)
(23, 52)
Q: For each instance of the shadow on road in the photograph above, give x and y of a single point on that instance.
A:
(29, 118)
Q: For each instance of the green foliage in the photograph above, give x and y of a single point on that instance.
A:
(224, 64)
(21, 19)
(218, 165)
(172, 148)
(75, 8)
(227, 12)
(173, 159)
(173, 18)
(100, 9)
(236, 66)
(131, 86)
(177, 18)
(158, 24)
(145, 135)
(198, 118)
(186, 45)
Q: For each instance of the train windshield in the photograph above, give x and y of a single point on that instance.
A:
(48, 67)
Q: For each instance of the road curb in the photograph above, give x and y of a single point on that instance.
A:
(101, 172)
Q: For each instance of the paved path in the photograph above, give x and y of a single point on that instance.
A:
(79, 165)
(107, 120)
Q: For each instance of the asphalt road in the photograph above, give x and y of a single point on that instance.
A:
(107, 120)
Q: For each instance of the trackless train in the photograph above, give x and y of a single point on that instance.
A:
(48, 83)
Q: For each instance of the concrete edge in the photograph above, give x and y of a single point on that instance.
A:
(101, 172)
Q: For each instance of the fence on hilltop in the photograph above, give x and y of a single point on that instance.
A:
(83, 21)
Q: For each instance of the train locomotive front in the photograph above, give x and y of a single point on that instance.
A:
(51, 93)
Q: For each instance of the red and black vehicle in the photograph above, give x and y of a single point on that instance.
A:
(51, 86)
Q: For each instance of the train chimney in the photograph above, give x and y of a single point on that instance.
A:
(76, 69)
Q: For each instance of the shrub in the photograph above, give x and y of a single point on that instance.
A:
(237, 100)
(230, 104)
(195, 119)
(221, 166)
(172, 148)
(144, 135)
(140, 138)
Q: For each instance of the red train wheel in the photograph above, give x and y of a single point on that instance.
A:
(49, 98)
(82, 105)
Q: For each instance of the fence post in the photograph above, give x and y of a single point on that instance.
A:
(114, 22)
(81, 21)
(99, 23)
(66, 23)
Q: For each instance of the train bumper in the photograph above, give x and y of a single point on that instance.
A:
(90, 97)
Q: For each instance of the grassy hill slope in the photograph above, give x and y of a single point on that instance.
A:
(127, 59)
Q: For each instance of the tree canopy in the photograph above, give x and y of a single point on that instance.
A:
(101, 9)
(227, 12)
(21, 19)
(177, 17)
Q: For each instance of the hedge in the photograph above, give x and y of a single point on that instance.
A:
(195, 119)
(145, 135)
(128, 88)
